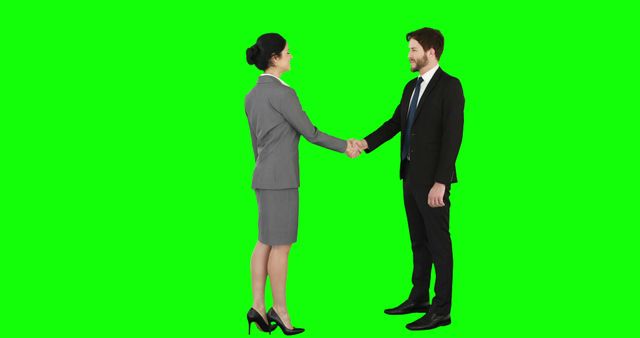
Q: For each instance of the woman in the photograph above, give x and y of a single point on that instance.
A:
(276, 121)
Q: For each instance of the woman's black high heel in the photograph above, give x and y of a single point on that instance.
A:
(272, 316)
(254, 317)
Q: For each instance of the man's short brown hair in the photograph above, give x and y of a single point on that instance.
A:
(428, 38)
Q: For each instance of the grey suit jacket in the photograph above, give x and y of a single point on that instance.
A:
(276, 121)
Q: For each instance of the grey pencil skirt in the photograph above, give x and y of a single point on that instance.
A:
(277, 216)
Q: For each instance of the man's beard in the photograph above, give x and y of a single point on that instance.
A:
(420, 64)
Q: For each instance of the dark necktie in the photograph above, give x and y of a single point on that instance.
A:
(410, 118)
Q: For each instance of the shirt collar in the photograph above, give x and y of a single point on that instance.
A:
(429, 74)
(265, 74)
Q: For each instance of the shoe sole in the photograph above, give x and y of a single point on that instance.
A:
(406, 313)
(445, 323)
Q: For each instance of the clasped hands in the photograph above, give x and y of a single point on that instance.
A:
(355, 147)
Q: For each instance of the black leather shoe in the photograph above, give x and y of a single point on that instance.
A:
(408, 306)
(272, 316)
(430, 321)
(254, 316)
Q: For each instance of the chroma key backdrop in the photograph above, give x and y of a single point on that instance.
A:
(127, 203)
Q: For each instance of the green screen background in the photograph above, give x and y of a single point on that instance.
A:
(128, 210)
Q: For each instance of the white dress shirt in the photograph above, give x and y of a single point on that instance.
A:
(425, 82)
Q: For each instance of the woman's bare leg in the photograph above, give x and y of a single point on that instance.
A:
(278, 263)
(259, 260)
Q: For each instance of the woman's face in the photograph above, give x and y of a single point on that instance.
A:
(284, 61)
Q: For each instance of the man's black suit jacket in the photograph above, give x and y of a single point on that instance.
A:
(436, 134)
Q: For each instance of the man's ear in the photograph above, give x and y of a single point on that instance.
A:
(431, 52)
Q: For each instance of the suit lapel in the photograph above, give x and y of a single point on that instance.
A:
(406, 101)
(432, 83)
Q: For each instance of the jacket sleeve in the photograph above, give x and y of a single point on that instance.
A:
(254, 142)
(387, 130)
(452, 122)
(287, 103)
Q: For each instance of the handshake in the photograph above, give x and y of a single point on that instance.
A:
(355, 147)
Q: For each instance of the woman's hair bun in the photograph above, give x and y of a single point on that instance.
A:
(264, 49)
(252, 53)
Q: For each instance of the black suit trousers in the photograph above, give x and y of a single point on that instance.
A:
(431, 245)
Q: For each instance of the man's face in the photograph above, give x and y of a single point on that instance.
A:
(417, 56)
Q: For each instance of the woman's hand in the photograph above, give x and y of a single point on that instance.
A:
(353, 150)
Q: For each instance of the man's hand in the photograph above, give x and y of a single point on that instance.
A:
(436, 195)
(353, 150)
(361, 144)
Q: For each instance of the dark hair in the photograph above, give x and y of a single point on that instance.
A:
(428, 38)
(266, 46)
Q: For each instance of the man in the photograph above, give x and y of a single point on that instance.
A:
(430, 119)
